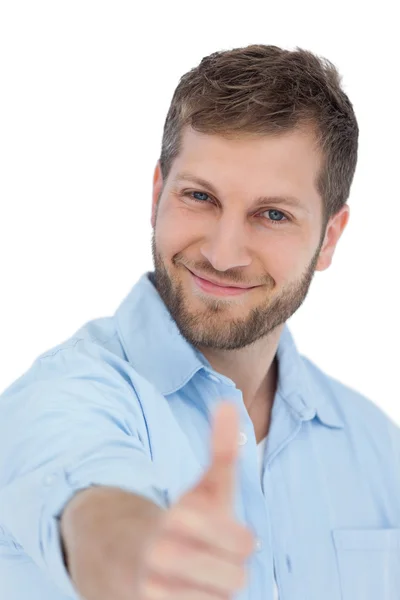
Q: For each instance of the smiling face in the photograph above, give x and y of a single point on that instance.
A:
(243, 212)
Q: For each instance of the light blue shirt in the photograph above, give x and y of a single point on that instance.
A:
(128, 402)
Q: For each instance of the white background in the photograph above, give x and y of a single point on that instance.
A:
(85, 87)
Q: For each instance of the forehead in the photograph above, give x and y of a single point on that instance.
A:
(285, 164)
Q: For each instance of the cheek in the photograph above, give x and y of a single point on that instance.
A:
(285, 259)
(175, 231)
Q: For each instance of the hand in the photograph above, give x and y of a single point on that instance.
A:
(200, 550)
(122, 546)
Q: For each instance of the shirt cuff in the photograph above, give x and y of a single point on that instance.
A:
(35, 521)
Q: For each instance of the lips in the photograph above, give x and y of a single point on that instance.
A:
(222, 285)
(215, 289)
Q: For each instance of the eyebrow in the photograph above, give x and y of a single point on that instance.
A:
(289, 200)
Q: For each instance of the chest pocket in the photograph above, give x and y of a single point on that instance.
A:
(369, 563)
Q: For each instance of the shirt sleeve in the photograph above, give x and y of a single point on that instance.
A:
(71, 422)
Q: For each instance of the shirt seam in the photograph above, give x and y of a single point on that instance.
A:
(49, 354)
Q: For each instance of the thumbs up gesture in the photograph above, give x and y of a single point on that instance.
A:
(199, 552)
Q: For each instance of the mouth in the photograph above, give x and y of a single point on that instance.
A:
(218, 290)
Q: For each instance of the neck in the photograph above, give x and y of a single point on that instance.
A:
(253, 369)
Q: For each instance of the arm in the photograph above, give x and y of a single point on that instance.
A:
(63, 428)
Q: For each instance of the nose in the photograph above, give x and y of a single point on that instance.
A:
(225, 246)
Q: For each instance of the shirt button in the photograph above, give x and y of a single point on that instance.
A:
(213, 378)
(49, 479)
(259, 545)
(308, 413)
(242, 439)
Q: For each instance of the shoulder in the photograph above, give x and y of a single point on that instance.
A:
(95, 336)
(355, 409)
(88, 370)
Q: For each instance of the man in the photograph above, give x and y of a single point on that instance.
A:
(123, 474)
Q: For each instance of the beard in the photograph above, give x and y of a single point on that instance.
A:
(213, 326)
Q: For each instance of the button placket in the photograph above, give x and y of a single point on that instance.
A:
(242, 438)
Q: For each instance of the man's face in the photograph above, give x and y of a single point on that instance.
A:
(230, 228)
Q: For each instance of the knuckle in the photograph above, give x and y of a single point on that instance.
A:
(231, 577)
(241, 578)
(162, 555)
(218, 572)
(184, 520)
(246, 541)
(153, 591)
(241, 537)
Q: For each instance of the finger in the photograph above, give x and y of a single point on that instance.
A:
(196, 566)
(220, 478)
(164, 588)
(222, 534)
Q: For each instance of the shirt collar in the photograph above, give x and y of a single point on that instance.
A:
(156, 349)
(306, 393)
(152, 341)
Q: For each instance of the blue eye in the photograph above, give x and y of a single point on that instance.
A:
(204, 199)
(276, 216)
(281, 218)
(276, 213)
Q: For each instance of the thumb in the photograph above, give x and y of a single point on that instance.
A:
(219, 480)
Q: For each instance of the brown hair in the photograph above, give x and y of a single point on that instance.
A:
(266, 90)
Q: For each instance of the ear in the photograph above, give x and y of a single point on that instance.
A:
(157, 188)
(334, 230)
